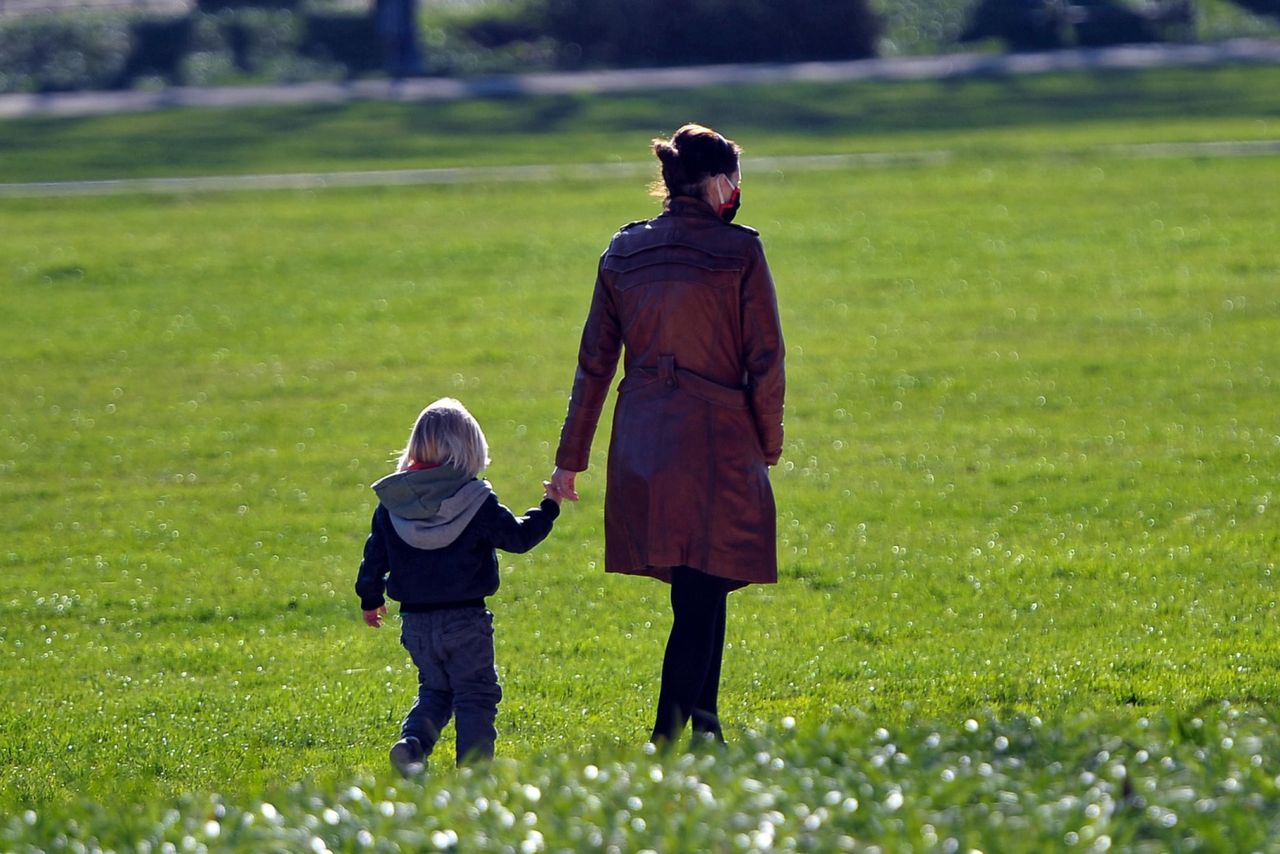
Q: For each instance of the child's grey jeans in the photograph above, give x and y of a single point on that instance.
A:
(453, 651)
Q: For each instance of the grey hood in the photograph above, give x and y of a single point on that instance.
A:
(429, 508)
(456, 512)
(418, 494)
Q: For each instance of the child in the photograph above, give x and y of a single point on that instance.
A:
(432, 548)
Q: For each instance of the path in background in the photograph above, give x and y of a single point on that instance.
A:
(584, 171)
(575, 82)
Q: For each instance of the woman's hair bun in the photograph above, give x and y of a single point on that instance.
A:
(690, 156)
(665, 151)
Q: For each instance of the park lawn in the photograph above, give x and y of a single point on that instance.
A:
(980, 117)
(1030, 465)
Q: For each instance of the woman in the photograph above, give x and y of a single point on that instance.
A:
(698, 421)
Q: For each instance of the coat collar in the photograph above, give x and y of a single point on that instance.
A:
(690, 206)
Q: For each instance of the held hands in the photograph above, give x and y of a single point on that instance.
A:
(373, 619)
(561, 486)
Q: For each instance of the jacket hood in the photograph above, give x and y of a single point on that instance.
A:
(448, 522)
(418, 494)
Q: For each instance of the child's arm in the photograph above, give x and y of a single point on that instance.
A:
(371, 580)
(519, 534)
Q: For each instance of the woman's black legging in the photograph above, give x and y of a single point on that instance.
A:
(695, 649)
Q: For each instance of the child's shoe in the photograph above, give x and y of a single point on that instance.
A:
(408, 757)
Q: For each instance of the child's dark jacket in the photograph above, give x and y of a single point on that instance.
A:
(433, 538)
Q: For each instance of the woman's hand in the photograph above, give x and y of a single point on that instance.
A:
(562, 484)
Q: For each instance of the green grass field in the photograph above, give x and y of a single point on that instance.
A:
(1032, 451)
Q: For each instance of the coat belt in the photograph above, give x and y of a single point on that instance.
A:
(671, 377)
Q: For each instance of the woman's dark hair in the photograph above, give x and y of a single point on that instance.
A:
(691, 156)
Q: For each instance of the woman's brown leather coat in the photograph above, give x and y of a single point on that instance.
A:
(698, 420)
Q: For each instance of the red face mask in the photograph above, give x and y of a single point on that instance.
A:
(729, 209)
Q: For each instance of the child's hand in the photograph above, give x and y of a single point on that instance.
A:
(373, 619)
(549, 491)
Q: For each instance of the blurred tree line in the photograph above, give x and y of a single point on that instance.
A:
(235, 41)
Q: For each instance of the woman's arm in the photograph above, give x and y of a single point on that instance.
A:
(763, 354)
(597, 361)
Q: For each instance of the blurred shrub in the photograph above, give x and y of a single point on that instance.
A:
(1020, 24)
(1261, 7)
(1050, 24)
(1219, 19)
(221, 5)
(223, 47)
(345, 39)
(487, 37)
(61, 53)
(662, 32)
(207, 68)
(157, 47)
(921, 26)
(52, 54)
(258, 36)
(1097, 24)
(498, 26)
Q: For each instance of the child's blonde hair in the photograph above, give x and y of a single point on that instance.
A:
(447, 434)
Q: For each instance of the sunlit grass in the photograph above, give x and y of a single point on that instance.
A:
(1025, 784)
